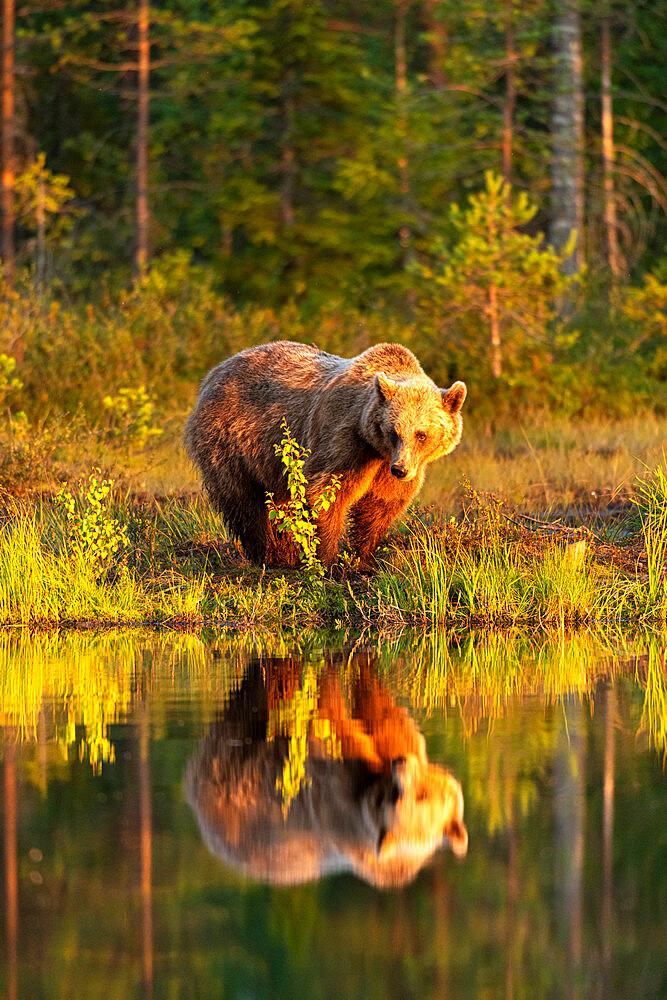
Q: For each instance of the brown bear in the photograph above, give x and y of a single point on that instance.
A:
(377, 807)
(375, 420)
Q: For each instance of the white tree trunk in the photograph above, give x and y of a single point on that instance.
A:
(567, 134)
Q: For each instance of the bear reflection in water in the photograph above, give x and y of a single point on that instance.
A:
(365, 799)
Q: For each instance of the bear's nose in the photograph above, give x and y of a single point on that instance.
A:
(399, 471)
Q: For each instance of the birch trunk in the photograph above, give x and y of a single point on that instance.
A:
(496, 350)
(567, 131)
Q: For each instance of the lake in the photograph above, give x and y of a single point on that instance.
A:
(248, 816)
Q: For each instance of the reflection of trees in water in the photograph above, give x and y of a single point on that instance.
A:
(608, 790)
(570, 814)
(146, 848)
(11, 865)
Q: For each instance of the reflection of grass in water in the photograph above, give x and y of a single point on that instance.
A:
(497, 666)
(654, 712)
(92, 681)
(297, 717)
(482, 677)
(88, 688)
(477, 674)
(89, 681)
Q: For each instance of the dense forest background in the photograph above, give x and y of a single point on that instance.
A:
(482, 181)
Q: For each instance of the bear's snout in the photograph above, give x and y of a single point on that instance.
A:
(398, 470)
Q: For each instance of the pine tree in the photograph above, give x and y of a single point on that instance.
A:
(496, 278)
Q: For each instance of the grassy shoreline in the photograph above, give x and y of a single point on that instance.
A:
(490, 567)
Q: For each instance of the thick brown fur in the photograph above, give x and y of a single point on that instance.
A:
(379, 809)
(375, 420)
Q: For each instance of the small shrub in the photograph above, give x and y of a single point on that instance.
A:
(93, 534)
(131, 414)
(9, 382)
(499, 286)
(297, 516)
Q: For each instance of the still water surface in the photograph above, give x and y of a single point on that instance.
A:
(229, 816)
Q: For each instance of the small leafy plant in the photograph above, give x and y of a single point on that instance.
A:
(9, 381)
(131, 416)
(297, 516)
(93, 534)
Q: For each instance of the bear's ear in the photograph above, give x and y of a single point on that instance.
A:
(454, 397)
(457, 835)
(386, 387)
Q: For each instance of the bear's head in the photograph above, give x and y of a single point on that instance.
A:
(416, 422)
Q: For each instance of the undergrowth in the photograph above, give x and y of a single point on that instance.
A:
(493, 567)
(104, 556)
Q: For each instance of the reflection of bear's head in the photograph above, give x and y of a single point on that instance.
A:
(367, 801)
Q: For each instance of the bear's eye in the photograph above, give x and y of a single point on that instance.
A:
(421, 436)
(393, 436)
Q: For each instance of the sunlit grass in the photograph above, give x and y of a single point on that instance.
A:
(553, 464)
(177, 564)
(495, 581)
(39, 586)
(43, 582)
(492, 568)
(651, 503)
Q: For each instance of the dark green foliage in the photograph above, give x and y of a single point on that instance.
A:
(300, 181)
(276, 130)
